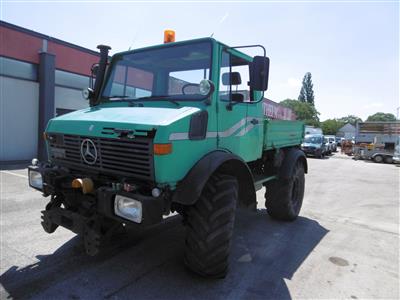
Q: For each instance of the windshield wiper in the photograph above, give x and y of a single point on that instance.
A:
(118, 97)
(148, 98)
(155, 98)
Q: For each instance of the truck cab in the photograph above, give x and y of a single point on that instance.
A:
(176, 127)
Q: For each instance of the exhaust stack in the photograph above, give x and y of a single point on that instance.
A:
(101, 71)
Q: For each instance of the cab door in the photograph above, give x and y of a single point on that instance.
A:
(239, 117)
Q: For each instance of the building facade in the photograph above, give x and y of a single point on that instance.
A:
(40, 77)
(347, 131)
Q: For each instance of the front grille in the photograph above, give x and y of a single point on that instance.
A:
(132, 158)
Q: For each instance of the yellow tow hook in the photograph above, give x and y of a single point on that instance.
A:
(86, 184)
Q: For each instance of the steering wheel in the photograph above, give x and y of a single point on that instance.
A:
(185, 86)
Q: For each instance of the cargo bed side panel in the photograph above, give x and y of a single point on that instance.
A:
(282, 133)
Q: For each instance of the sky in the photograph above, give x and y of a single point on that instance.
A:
(351, 48)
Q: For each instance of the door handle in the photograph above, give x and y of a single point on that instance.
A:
(254, 121)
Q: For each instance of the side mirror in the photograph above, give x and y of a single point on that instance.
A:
(259, 73)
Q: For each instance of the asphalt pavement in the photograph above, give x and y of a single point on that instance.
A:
(345, 244)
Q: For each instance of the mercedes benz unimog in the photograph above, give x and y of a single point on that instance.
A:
(177, 127)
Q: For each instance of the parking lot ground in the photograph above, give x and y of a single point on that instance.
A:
(345, 244)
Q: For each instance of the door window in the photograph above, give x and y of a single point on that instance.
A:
(234, 79)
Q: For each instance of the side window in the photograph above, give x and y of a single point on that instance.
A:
(234, 78)
(131, 82)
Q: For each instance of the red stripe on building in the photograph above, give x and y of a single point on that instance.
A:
(23, 46)
(19, 45)
(72, 60)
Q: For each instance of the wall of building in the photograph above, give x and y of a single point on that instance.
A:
(19, 119)
(19, 87)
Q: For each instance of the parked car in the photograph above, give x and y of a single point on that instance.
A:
(332, 142)
(313, 144)
(339, 141)
(328, 146)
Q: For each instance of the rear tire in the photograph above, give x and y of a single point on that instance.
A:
(210, 226)
(388, 160)
(284, 197)
(378, 159)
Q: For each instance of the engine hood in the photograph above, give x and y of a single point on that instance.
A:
(95, 120)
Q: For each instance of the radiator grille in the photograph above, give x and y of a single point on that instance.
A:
(131, 158)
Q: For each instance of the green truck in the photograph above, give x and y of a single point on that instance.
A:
(176, 127)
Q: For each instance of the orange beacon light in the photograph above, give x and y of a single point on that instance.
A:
(169, 36)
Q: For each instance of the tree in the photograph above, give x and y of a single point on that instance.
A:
(307, 92)
(304, 111)
(380, 116)
(331, 126)
(350, 119)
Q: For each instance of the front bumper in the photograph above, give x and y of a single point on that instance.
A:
(311, 151)
(99, 204)
(152, 210)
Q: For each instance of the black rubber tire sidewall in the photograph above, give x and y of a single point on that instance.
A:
(210, 224)
(284, 197)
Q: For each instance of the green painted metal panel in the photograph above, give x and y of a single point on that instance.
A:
(282, 133)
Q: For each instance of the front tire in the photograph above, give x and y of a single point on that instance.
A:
(284, 197)
(210, 226)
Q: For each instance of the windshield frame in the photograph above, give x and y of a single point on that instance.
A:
(116, 57)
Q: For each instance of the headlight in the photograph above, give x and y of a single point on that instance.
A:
(35, 180)
(128, 208)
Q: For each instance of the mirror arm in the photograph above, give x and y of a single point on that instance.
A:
(230, 105)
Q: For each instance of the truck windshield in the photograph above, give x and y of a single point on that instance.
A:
(312, 139)
(171, 72)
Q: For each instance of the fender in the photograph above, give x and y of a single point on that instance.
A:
(291, 157)
(189, 189)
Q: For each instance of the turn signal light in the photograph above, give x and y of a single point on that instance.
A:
(162, 149)
(169, 36)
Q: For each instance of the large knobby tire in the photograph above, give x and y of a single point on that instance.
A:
(284, 197)
(388, 160)
(210, 226)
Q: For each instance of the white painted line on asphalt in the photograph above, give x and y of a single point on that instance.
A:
(16, 174)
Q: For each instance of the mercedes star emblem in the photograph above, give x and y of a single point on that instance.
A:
(88, 151)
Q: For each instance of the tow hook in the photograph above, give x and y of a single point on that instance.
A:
(86, 184)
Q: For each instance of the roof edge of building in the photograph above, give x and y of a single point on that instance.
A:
(46, 37)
